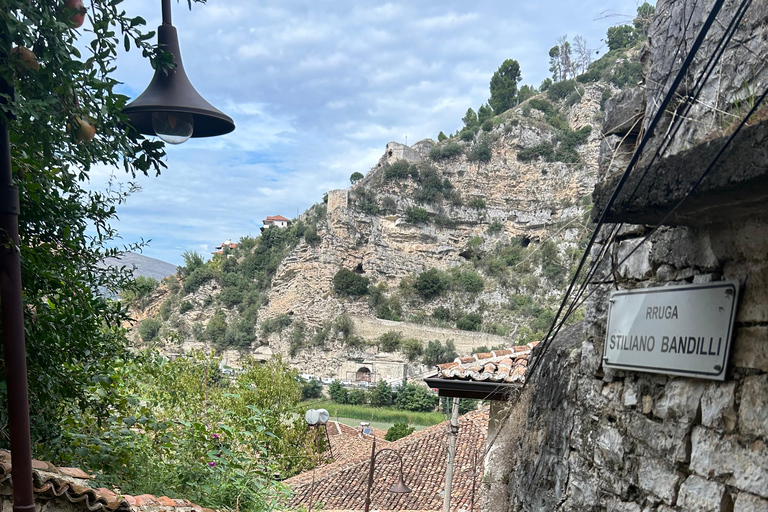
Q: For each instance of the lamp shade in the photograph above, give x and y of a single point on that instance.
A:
(400, 486)
(172, 92)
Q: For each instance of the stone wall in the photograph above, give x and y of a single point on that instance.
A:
(583, 437)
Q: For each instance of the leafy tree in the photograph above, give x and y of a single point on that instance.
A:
(355, 177)
(416, 215)
(136, 293)
(469, 322)
(149, 328)
(412, 349)
(621, 36)
(545, 84)
(216, 328)
(311, 389)
(554, 64)
(192, 261)
(465, 404)
(337, 392)
(73, 331)
(441, 137)
(346, 282)
(642, 21)
(437, 353)
(356, 397)
(504, 86)
(484, 113)
(431, 283)
(398, 431)
(380, 395)
(390, 341)
(526, 92)
(470, 118)
(415, 398)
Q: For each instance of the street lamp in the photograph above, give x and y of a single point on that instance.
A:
(399, 487)
(170, 108)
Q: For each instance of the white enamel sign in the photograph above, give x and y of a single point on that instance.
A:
(677, 330)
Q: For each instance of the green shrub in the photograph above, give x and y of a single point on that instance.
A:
(467, 135)
(415, 398)
(366, 201)
(356, 397)
(298, 337)
(165, 309)
(441, 137)
(311, 236)
(399, 170)
(197, 278)
(398, 431)
(494, 227)
(390, 341)
(437, 353)
(149, 328)
(469, 281)
(311, 389)
(275, 324)
(446, 151)
(442, 313)
(412, 348)
(337, 392)
(230, 297)
(185, 306)
(561, 90)
(355, 177)
(469, 322)
(543, 150)
(487, 125)
(416, 215)
(346, 282)
(431, 283)
(216, 328)
(480, 152)
(478, 203)
(380, 395)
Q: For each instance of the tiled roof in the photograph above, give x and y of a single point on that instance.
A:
(348, 442)
(495, 366)
(277, 217)
(341, 485)
(72, 485)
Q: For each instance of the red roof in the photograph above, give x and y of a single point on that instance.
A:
(278, 217)
(496, 366)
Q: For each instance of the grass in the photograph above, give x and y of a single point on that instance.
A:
(375, 424)
(375, 414)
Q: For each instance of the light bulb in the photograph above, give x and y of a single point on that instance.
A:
(173, 127)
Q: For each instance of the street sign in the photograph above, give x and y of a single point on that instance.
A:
(677, 330)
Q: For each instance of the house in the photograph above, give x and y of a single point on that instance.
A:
(228, 244)
(341, 485)
(277, 221)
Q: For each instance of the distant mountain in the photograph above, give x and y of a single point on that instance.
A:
(143, 265)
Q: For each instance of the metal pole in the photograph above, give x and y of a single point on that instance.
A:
(370, 476)
(166, 7)
(453, 429)
(13, 326)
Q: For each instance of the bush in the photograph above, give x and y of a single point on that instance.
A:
(346, 282)
(449, 150)
(185, 306)
(467, 135)
(487, 125)
(561, 90)
(469, 322)
(415, 398)
(441, 137)
(165, 310)
(311, 236)
(480, 152)
(494, 227)
(355, 177)
(437, 353)
(230, 297)
(275, 324)
(366, 201)
(380, 395)
(430, 284)
(390, 341)
(197, 278)
(469, 281)
(544, 150)
(416, 215)
(399, 170)
(442, 313)
(412, 348)
(337, 392)
(478, 203)
(398, 431)
(149, 328)
(311, 389)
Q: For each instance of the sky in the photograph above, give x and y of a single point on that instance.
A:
(316, 90)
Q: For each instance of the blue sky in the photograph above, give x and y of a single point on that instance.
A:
(316, 90)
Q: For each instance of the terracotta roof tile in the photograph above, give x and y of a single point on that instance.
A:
(277, 217)
(341, 485)
(495, 366)
(71, 484)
